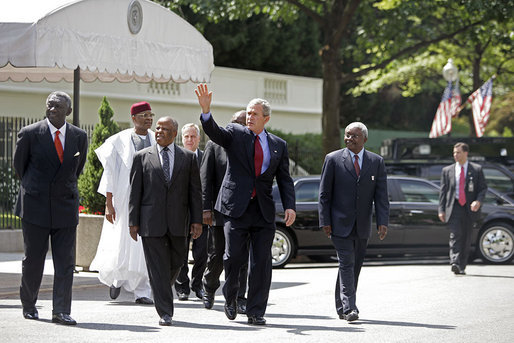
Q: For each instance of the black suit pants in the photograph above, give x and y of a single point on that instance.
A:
(199, 250)
(460, 225)
(164, 257)
(350, 254)
(251, 227)
(35, 239)
(215, 251)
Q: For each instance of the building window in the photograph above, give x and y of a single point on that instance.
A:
(170, 88)
(275, 91)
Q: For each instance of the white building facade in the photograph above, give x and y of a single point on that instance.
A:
(296, 102)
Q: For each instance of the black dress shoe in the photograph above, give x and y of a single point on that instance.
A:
(256, 320)
(144, 301)
(456, 270)
(31, 315)
(199, 293)
(241, 307)
(114, 292)
(350, 317)
(182, 296)
(208, 300)
(230, 310)
(165, 320)
(63, 318)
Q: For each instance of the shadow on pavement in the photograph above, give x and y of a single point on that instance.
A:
(490, 276)
(406, 324)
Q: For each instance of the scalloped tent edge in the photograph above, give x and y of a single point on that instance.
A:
(64, 43)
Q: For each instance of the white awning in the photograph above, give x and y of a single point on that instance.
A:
(49, 39)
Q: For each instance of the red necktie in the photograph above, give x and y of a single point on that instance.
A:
(58, 146)
(462, 186)
(356, 165)
(257, 159)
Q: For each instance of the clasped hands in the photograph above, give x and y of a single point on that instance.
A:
(382, 231)
(195, 230)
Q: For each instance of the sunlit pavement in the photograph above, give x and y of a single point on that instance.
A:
(398, 301)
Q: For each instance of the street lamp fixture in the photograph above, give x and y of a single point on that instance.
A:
(450, 71)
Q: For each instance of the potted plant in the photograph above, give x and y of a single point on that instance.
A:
(93, 203)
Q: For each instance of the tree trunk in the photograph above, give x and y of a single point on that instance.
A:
(331, 134)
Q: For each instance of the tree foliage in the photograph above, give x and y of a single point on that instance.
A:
(88, 182)
(368, 45)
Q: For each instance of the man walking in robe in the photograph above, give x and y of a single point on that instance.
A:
(119, 260)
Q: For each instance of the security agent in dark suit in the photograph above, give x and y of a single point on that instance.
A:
(49, 157)
(212, 171)
(191, 141)
(352, 179)
(255, 157)
(463, 189)
(165, 195)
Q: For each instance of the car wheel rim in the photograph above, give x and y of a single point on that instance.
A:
(497, 244)
(281, 248)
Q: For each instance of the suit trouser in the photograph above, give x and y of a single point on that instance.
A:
(350, 253)
(199, 250)
(252, 227)
(35, 239)
(460, 225)
(164, 256)
(215, 251)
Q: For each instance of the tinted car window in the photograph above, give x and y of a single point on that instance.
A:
(498, 180)
(414, 191)
(307, 192)
(492, 199)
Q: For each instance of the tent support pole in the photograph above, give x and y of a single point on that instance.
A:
(76, 96)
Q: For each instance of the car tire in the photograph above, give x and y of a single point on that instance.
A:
(496, 243)
(283, 248)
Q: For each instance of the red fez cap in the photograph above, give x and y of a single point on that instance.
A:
(140, 107)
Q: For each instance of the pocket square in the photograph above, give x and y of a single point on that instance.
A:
(76, 154)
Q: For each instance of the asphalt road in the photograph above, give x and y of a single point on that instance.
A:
(398, 302)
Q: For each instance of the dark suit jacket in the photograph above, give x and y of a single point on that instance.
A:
(240, 179)
(476, 188)
(48, 195)
(158, 208)
(346, 200)
(212, 172)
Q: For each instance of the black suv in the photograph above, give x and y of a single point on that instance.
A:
(497, 176)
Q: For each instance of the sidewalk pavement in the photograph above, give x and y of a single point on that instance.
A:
(420, 303)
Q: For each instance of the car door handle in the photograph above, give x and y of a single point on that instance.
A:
(416, 211)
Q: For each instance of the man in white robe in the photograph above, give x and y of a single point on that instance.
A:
(119, 259)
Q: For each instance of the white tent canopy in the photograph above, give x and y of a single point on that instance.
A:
(49, 39)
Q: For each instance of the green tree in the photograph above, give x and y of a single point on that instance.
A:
(361, 38)
(88, 182)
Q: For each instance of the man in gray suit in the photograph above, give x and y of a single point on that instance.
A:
(165, 195)
(352, 179)
(463, 190)
(49, 157)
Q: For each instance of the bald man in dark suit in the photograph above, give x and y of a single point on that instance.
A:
(353, 181)
(165, 195)
(49, 158)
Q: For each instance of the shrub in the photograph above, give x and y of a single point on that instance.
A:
(88, 182)
(306, 150)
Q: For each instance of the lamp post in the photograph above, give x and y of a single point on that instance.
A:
(450, 71)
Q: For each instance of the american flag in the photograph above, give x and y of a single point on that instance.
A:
(480, 102)
(447, 109)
